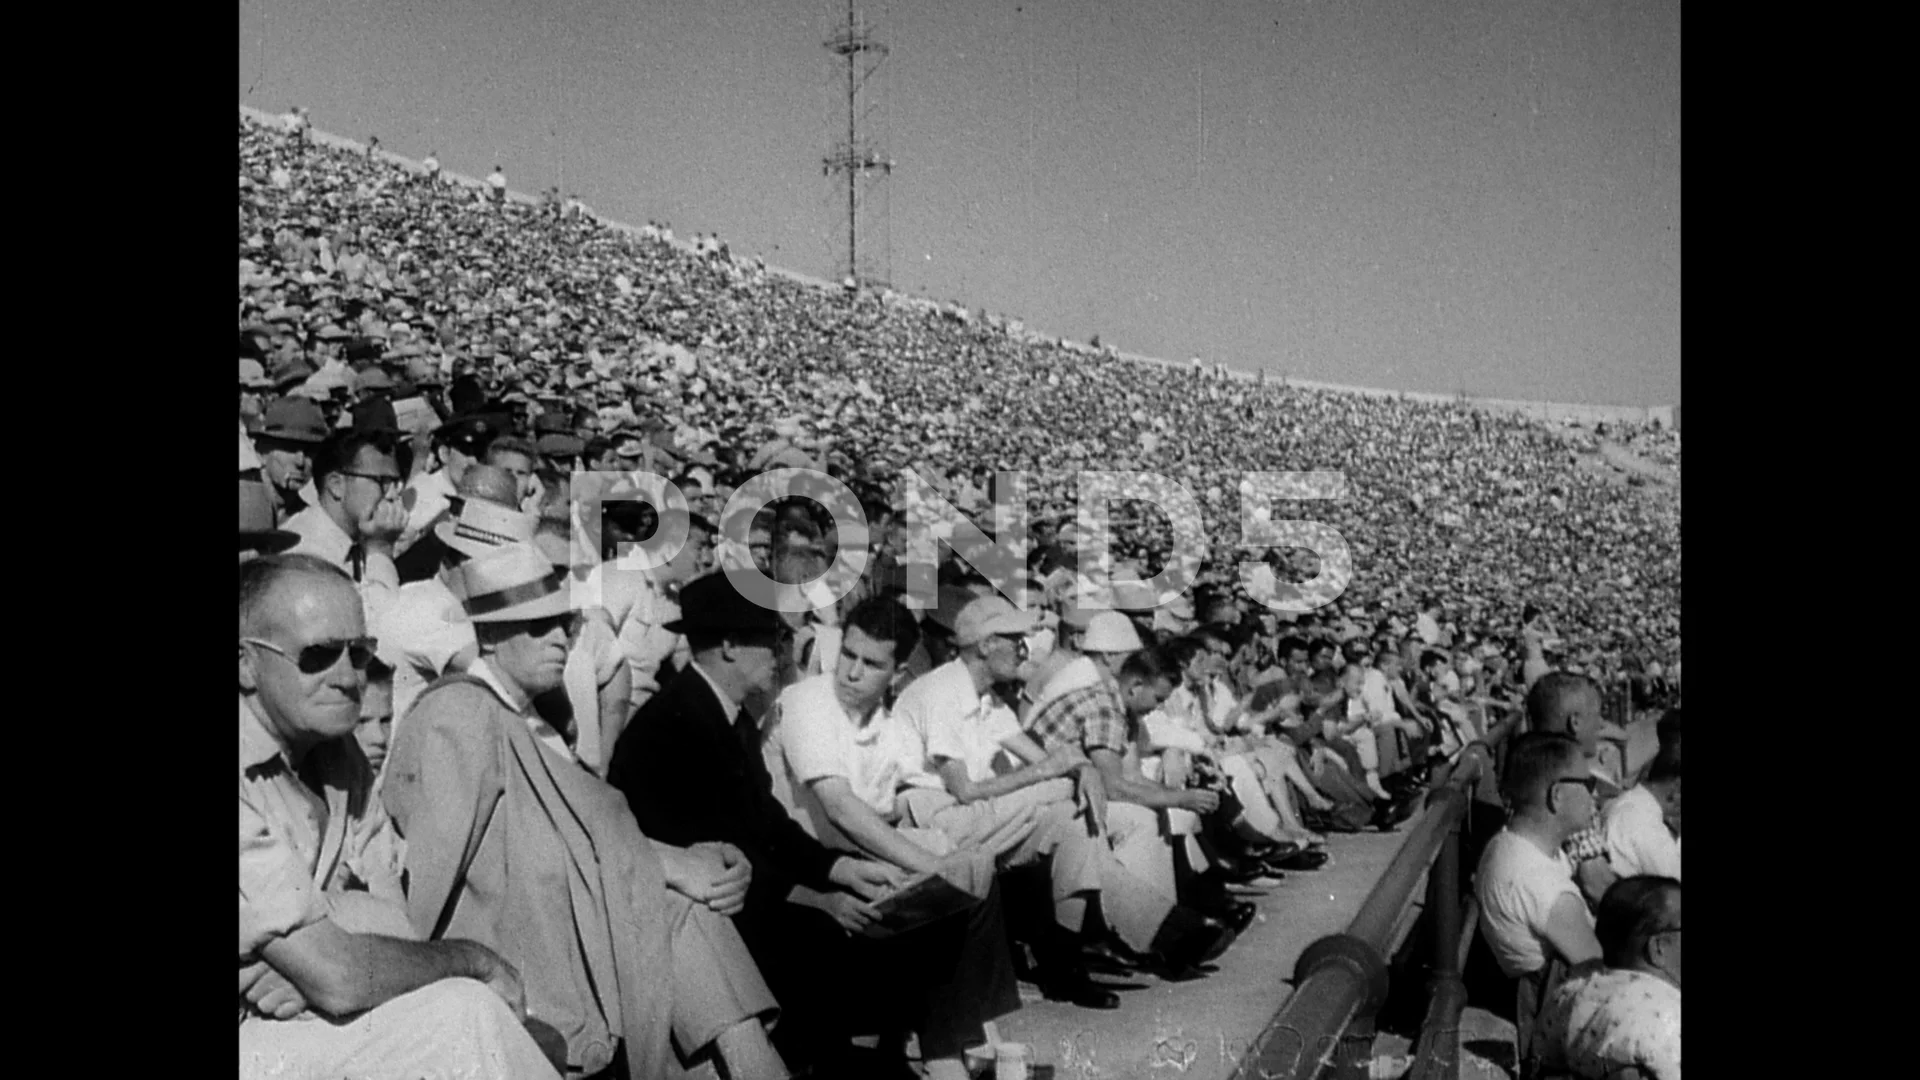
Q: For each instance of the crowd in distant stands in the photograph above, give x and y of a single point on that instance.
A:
(540, 788)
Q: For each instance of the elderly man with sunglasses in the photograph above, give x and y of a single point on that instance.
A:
(626, 944)
(333, 981)
(358, 516)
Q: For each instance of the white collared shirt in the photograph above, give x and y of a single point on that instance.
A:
(379, 581)
(952, 718)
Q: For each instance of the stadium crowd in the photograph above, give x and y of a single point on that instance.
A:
(539, 791)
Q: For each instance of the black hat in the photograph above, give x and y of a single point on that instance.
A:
(714, 604)
(469, 433)
(376, 414)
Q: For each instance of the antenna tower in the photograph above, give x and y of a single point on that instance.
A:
(857, 166)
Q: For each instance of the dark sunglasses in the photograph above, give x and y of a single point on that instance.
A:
(571, 622)
(322, 655)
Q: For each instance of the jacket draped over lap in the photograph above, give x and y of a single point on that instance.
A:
(511, 845)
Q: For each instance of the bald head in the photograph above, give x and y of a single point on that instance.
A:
(492, 483)
(268, 585)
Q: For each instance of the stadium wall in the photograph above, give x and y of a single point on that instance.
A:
(1557, 412)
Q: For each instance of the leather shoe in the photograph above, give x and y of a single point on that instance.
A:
(1299, 861)
(1188, 939)
(1080, 991)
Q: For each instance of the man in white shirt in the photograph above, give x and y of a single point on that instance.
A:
(1531, 910)
(989, 770)
(357, 517)
(432, 167)
(497, 186)
(1642, 827)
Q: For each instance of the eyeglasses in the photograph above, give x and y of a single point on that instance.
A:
(387, 483)
(320, 656)
(1018, 641)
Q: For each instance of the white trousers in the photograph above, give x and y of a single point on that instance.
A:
(454, 1029)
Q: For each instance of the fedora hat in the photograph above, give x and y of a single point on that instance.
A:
(514, 583)
(257, 529)
(483, 526)
(294, 419)
(713, 604)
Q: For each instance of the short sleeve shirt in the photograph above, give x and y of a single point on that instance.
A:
(1517, 885)
(298, 845)
(960, 723)
(1604, 1020)
(1092, 718)
(820, 740)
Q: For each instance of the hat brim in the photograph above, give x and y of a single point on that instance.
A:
(546, 606)
(301, 438)
(270, 542)
(1012, 622)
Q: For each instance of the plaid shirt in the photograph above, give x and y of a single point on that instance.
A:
(1093, 718)
(1588, 843)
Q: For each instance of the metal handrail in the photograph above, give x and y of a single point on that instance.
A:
(1340, 981)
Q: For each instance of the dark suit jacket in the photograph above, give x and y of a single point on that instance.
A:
(691, 774)
(422, 560)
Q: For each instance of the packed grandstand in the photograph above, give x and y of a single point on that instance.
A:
(393, 319)
(1487, 512)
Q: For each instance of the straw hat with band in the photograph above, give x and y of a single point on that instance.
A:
(511, 584)
(483, 526)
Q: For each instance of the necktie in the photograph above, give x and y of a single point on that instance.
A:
(357, 561)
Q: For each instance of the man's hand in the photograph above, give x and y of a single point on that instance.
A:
(871, 880)
(380, 525)
(712, 874)
(852, 913)
(500, 976)
(270, 993)
(1596, 877)
(1199, 800)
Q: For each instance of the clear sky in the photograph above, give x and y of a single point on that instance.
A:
(1478, 195)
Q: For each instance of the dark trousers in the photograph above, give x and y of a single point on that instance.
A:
(943, 980)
